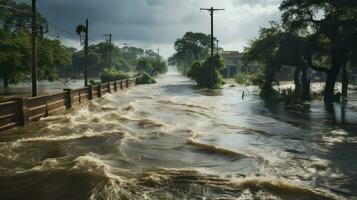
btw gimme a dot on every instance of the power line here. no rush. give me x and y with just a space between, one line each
15 9
212 10
62 29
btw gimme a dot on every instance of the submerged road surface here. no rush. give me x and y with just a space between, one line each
171 141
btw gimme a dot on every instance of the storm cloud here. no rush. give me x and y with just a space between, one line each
158 23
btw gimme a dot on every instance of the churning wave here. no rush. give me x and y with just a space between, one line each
92 177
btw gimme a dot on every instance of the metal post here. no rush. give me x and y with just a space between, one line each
86 56
34 49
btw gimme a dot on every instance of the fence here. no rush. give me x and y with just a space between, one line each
21 111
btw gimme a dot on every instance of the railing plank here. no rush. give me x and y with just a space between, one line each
19 111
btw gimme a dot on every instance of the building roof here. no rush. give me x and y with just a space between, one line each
231 54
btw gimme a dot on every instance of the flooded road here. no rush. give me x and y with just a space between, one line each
171 141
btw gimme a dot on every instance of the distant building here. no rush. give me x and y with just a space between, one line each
233 64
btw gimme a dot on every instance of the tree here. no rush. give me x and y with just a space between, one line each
15 51
276 47
14 57
52 56
191 47
153 64
15 21
264 50
333 22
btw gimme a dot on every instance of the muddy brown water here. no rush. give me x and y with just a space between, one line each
172 141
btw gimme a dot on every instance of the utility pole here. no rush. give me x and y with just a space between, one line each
110 50
34 49
86 55
211 10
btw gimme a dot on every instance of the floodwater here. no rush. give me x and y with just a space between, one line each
172 141
44 87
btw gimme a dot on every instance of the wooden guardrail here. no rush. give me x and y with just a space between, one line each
21 111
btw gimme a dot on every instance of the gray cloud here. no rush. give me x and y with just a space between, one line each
152 23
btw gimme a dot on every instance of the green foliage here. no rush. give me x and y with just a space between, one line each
264 50
144 78
319 34
152 65
122 59
249 79
14 57
191 47
93 82
15 51
109 75
16 21
207 74
333 24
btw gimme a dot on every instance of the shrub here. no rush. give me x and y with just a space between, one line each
93 82
249 79
207 74
144 78
109 75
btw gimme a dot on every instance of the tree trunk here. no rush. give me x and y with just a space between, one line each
267 89
305 92
297 81
6 80
336 64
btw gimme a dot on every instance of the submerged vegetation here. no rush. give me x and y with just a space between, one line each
109 75
249 79
206 74
144 78
192 59
320 36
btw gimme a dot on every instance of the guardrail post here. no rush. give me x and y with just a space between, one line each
70 97
23 111
99 90
79 96
46 111
109 88
115 86
121 85
90 93
127 83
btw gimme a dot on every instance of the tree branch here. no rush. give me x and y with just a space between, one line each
317 68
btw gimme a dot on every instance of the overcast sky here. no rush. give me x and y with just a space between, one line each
158 23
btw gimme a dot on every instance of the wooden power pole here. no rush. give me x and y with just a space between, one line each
34 49
211 10
86 55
